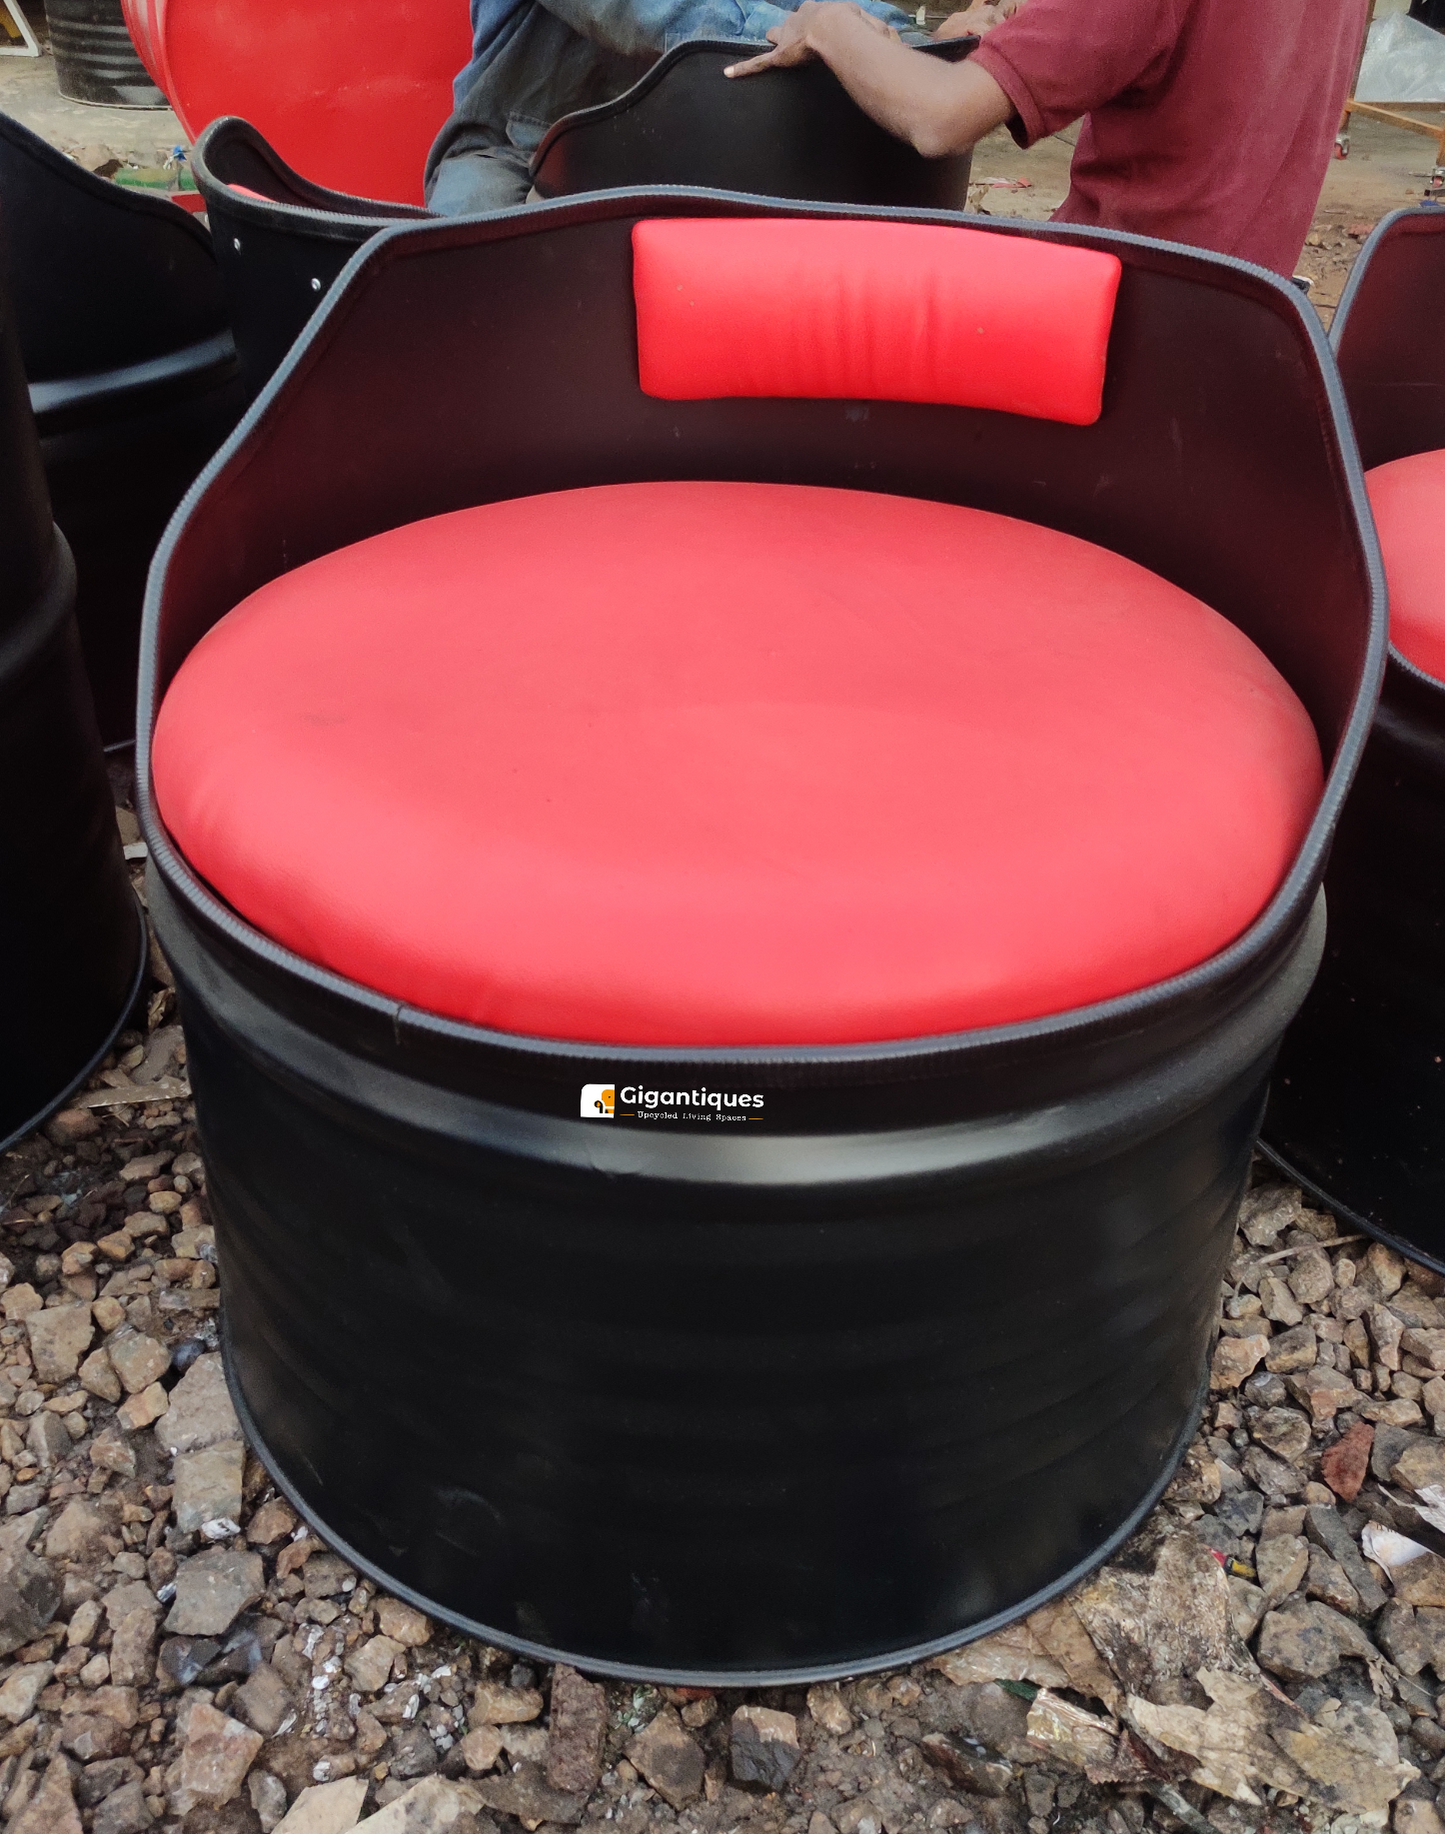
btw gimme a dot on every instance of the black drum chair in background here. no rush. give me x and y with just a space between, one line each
792 133
1357 1112
279 239
124 337
73 941
811 1288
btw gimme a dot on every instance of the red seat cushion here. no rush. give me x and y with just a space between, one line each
735 764
1408 498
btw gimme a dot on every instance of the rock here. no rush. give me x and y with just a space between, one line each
120 1704
495 1705
97 1781
79 1529
130 1596
182 1659
402 1623
369 1664
1291 1351
1397 1634
481 1748
1412 1816
669 1758
21 1689
200 1410
1012 1654
525 1795
1281 1563
1280 1305
137 1359
99 1378
1430 1629
29 1598
826 1709
70 1126
1273 1476
89 1736
1060 1631
47 1441
1420 1464
268 1798
412 1752
326 1808
1422 1582
217 1753
132 1663
578 1722
1234 1359
112 1451
272 1522
1282 1430
1345 1465
212 1590
125 1811
20 1301
1382 1271
1326 1580
763 1746
1428 1345
1312 1277
971 1770
327 1575
263 1701
59 1337
51 1810
1326 1530
1303 1641
144 1409
1247 1605
1324 1392
427 1807
208 1485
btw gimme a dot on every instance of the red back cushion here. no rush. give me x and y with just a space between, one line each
868 311
1408 499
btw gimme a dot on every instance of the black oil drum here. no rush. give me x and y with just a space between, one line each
95 60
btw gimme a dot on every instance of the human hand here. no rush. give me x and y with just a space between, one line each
982 16
793 38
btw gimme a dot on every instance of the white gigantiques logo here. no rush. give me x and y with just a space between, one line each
598 1101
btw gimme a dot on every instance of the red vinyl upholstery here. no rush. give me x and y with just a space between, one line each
735 764
1408 498
870 311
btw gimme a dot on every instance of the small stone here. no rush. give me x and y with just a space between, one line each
1324 1392
131 1595
1382 1271
369 1664
84 1622
29 1598
200 1409
1277 1480
578 1722
1397 1634
51 1810
1421 1464
764 1746
481 1748
1303 1641
47 1440
402 1623
208 1485
1311 1277
526 1795
137 1359
100 1780
89 1736
218 1752
268 1798
1235 1358
1426 1344
70 1126
1326 1530
495 1705
212 1590
1422 1582
95 1671
125 1811
1281 1430
971 1770
1292 1351
132 1662
826 1709
263 1701
413 1753
108 1313
427 1807
1412 1816
79 1529
98 1377
59 1337
1281 1563
669 1758
22 1688
182 1659
1345 1465
271 1522
1280 1305
1326 1580
1247 1605
20 1301
327 1808
120 1704
143 1409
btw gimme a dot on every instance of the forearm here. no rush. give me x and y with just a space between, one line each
939 107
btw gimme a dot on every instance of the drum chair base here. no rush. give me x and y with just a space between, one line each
824 1403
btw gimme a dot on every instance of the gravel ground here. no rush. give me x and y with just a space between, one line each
181 1653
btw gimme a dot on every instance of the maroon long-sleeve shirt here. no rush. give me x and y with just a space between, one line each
1208 121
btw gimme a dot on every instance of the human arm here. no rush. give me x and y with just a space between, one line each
939 107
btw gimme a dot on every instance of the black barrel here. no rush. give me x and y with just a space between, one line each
95 60
910 1355
71 940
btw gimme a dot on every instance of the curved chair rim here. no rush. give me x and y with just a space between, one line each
119 197
1427 685
316 201
1274 930
950 50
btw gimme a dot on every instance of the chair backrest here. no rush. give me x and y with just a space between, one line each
280 240
102 278
353 100
795 134
1387 337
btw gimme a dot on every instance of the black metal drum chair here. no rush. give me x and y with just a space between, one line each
132 372
1357 1113
73 941
280 240
794 133
693 755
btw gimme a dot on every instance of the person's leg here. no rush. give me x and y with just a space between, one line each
465 184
